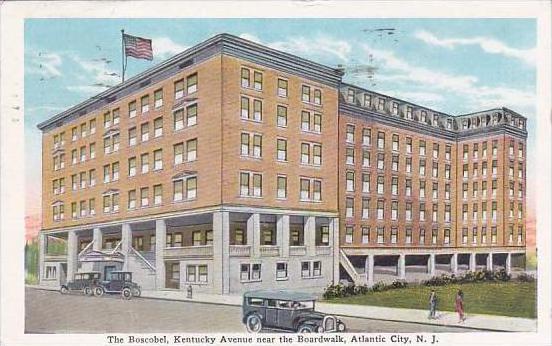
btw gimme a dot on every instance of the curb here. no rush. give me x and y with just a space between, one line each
340 315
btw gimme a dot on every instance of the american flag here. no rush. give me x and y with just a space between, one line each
138 47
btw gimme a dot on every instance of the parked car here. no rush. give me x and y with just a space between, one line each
85 282
119 282
285 310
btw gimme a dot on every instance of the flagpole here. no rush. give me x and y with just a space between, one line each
123 55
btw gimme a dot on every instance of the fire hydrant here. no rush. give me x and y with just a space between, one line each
189 292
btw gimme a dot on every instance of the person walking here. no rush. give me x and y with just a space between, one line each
432 304
460 306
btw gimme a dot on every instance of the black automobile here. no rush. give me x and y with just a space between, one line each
284 310
85 282
119 282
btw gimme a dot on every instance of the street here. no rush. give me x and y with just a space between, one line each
51 312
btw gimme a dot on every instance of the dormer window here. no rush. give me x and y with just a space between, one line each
449 124
367 100
395 109
350 95
408 112
423 116
381 104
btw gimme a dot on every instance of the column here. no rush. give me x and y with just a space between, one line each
334 243
431 264
490 261
310 235
401 267
254 234
97 238
42 243
72 261
282 234
221 252
369 270
508 265
472 262
126 242
454 263
160 245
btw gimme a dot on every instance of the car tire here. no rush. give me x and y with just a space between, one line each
126 293
341 327
254 323
305 328
63 290
136 292
99 291
88 291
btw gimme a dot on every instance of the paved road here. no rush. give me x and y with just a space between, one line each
51 312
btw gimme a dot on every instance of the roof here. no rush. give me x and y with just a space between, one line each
224 43
280 295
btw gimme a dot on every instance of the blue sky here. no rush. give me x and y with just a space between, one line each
452 65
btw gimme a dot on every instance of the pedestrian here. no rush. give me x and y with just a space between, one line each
460 306
432 304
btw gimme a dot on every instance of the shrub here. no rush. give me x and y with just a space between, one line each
399 284
379 287
524 277
502 275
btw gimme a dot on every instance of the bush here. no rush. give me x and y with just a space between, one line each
379 287
442 280
502 275
524 277
399 284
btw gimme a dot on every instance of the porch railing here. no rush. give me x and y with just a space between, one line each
190 251
323 250
270 250
85 249
139 255
297 250
240 250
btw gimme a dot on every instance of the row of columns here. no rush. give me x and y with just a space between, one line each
431 263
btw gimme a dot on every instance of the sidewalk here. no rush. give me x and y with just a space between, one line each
449 319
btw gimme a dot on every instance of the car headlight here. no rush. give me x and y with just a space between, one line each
320 329
340 326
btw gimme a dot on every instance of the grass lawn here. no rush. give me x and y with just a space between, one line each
517 299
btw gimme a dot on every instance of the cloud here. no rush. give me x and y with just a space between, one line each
315 47
164 47
44 64
487 44
477 96
250 37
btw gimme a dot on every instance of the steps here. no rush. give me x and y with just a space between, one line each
142 273
358 278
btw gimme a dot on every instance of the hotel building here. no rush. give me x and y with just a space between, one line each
219 168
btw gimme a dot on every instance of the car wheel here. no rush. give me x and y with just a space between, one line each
63 290
126 293
254 324
99 291
136 292
305 328
341 327
88 291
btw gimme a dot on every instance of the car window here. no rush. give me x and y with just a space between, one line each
255 301
284 304
272 303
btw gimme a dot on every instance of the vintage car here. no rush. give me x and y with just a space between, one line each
285 310
119 282
85 282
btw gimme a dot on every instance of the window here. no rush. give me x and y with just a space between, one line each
257 110
245 78
74 135
158 98
381 140
132 166
178 89
132 136
365 208
409 145
91 180
317 97
106 174
116 116
395 143
250 184
408 187
365 182
115 171
281 116
367 100
394 235
381 161
144 130
365 158
408 165
50 272
317 154
394 210
394 186
74 156
408 236
434 236
434 212
132 199
191 115
311 269
520 150
350 138
191 188
422 189
365 235
258 80
408 211
144 197
422 236
157 159
366 136
157 194
83 154
305 121
422 211
144 102
244 107
83 130
281 271
144 160
380 235
484 168
381 104
92 150
257 146
281 187
395 108
408 112
191 150
349 207
281 147
305 153
493 235
349 234
158 127
191 83
448 150
350 156
282 87
381 209
74 210
422 148
422 167
380 184
495 148
305 93
317 123
395 163
250 272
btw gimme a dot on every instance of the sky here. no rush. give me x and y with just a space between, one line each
455 66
